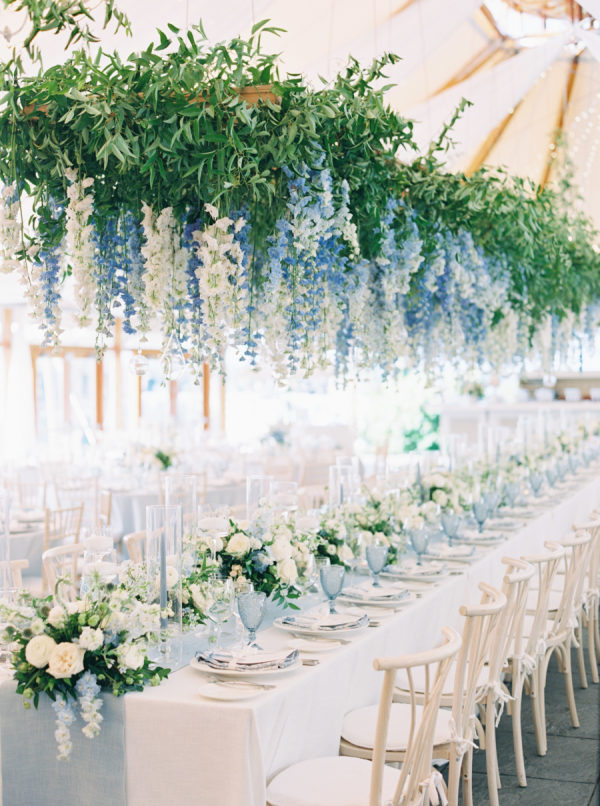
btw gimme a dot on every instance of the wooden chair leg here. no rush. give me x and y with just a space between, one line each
580 655
454 771
569 686
517 734
591 634
491 755
538 683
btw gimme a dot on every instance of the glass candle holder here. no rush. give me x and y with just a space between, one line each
163 564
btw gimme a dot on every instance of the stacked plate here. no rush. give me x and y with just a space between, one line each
381 596
409 570
442 551
258 662
315 623
475 538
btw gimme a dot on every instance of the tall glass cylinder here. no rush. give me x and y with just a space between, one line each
342 485
163 562
180 490
257 493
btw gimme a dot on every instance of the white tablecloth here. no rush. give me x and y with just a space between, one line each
185 750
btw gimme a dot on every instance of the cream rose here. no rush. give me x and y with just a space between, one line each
345 553
91 639
200 600
238 545
39 650
131 656
287 571
172 576
281 549
440 498
57 616
66 660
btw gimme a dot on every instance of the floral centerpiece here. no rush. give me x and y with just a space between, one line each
72 651
444 490
266 552
376 520
332 537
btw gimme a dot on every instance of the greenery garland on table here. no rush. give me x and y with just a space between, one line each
196 185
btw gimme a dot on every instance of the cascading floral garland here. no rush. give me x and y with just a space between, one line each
321 251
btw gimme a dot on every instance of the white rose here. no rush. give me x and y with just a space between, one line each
37 626
199 598
381 538
238 545
91 639
255 543
416 522
342 533
131 656
429 510
57 616
287 571
284 533
345 553
172 576
440 498
307 523
66 660
366 538
39 649
75 607
281 549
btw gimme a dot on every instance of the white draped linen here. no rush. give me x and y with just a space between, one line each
183 749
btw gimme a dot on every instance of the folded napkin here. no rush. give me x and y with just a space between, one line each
260 660
474 536
368 592
427 569
443 550
329 622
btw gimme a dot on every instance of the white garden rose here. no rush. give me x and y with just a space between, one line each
429 510
66 660
199 598
238 544
75 607
91 639
131 656
281 549
287 571
39 649
57 616
172 576
440 498
255 543
345 553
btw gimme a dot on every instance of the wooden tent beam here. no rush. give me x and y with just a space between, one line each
490 141
473 66
560 123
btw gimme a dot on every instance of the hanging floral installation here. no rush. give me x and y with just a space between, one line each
194 189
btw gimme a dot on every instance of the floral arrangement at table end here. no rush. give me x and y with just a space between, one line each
72 651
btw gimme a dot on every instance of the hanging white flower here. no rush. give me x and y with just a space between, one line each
79 242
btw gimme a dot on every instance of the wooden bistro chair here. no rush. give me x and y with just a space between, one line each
454 727
61 526
16 568
63 562
591 599
342 780
135 543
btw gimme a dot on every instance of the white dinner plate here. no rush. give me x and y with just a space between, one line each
376 601
228 692
305 629
448 553
200 666
430 572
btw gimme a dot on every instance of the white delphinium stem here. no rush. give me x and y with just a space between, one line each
10 228
89 704
64 719
79 241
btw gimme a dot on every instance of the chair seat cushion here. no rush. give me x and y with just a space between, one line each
359 726
329 781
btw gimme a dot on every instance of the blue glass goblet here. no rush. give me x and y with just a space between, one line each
251 607
332 582
535 482
419 540
450 524
376 560
480 512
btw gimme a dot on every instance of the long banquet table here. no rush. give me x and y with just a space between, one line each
183 749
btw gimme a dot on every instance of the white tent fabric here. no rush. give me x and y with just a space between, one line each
493 94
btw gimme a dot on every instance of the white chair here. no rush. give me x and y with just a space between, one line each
104 508
16 568
492 697
76 491
60 526
591 597
347 781
135 543
62 564
455 728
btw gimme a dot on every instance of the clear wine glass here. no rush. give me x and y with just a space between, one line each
251 607
480 512
419 540
332 582
222 598
376 560
450 524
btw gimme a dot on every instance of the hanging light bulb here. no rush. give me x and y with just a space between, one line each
138 364
172 360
